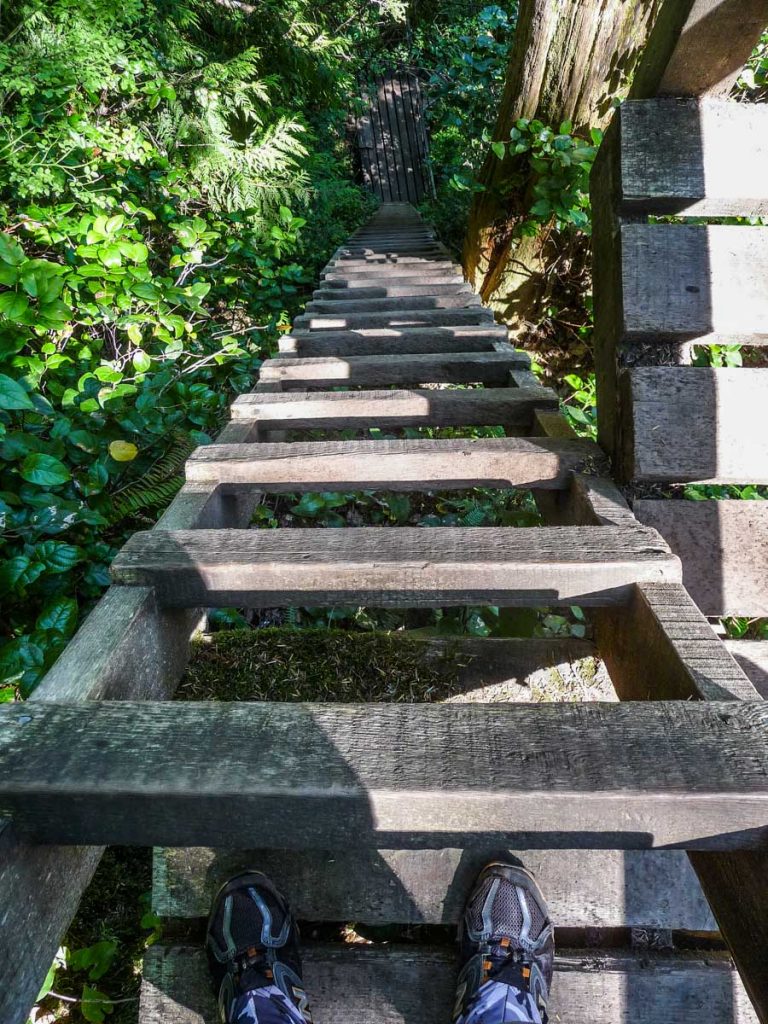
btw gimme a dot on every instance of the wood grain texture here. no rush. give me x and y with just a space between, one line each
491 368
408 567
614 776
340 307
426 340
403 317
678 283
696 424
723 546
399 465
409 984
664 628
440 284
413 408
584 888
699 47
697 158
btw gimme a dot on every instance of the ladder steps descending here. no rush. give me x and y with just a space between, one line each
617 888
394 465
617 776
407 567
350 304
417 407
457 368
393 342
404 317
406 984
367 291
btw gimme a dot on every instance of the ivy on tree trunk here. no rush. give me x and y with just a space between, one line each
569 61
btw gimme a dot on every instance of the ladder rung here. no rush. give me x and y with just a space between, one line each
369 984
344 305
415 407
392 289
407 567
394 341
400 318
373 371
635 775
393 465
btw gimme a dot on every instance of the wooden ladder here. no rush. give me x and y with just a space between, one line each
383 813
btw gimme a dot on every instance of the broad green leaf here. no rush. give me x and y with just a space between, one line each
13 395
141 361
60 616
44 470
58 557
499 148
13 305
95 1005
10 250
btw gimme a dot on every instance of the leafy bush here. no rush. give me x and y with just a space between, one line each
149 253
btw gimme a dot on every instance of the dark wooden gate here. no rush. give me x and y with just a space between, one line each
392 139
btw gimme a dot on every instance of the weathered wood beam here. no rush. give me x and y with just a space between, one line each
489 368
417 407
685 424
699 47
370 984
408 567
399 464
584 888
402 317
391 343
618 776
723 547
697 158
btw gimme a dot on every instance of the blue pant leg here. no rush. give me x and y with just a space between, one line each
268 1005
497 1003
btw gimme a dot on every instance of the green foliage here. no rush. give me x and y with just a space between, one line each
580 406
558 163
752 84
160 165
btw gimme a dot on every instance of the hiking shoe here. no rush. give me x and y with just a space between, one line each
253 942
506 935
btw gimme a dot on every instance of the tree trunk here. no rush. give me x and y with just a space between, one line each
570 58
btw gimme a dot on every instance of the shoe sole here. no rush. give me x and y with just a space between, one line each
255 878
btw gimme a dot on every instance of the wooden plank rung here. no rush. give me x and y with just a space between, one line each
408 567
393 465
429 407
593 776
457 368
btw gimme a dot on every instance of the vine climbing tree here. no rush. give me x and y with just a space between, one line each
568 63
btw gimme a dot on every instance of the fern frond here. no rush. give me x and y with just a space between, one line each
158 485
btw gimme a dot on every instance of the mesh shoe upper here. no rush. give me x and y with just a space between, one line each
506 936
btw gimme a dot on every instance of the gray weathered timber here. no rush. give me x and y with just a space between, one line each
700 158
696 424
735 885
426 340
678 283
752 656
390 984
346 289
385 984
663 628
413 408
408 567
403 317
584 888
699 47
723 547
342 306
614 776
400 465
344 275
490 368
